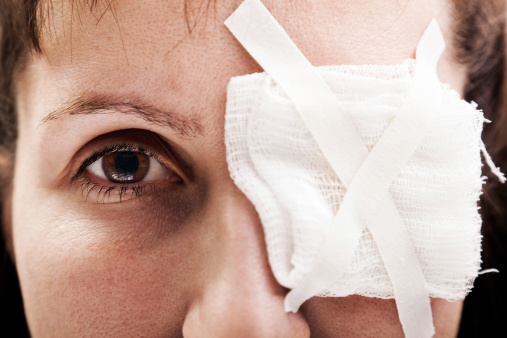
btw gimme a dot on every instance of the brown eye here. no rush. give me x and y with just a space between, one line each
126 166
130 166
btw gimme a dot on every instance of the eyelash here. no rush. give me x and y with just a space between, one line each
87 185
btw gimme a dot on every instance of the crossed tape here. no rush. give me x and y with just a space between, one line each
367 176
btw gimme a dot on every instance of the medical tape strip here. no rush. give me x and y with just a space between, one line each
251 24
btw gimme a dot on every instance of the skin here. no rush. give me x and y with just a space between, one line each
185 259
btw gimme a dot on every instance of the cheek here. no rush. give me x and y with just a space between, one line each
353 316
79 283
446 316
373 317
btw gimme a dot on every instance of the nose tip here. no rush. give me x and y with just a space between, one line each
240 296
227 312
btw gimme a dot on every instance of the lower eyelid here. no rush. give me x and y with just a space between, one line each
93 191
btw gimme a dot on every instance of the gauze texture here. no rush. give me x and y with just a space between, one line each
275 161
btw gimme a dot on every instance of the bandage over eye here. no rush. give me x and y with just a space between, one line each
366 178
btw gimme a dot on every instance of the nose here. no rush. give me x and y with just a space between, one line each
240 296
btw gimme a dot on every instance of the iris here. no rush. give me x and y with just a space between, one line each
126 166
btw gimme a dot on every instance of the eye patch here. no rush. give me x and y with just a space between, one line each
366 178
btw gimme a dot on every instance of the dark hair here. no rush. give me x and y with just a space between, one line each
480 39
480 45
14 44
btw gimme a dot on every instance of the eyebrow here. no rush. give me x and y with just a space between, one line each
186 127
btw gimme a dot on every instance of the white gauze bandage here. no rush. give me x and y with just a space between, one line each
366 178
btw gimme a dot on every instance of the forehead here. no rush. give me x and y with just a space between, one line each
180 55
161 31
143 48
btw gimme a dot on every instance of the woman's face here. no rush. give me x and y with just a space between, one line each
182 250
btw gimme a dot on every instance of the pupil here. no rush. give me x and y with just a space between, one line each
126 163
